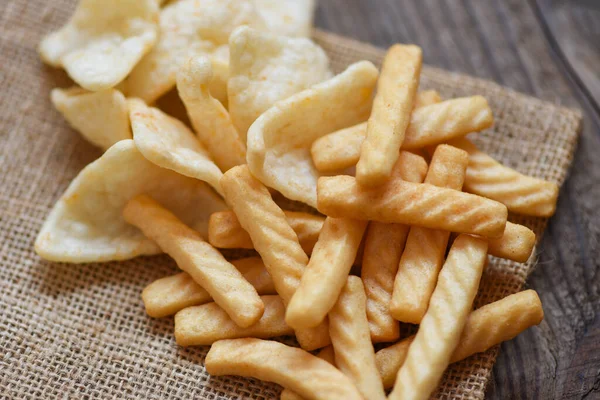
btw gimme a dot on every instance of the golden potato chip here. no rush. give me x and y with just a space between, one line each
287 17
103 41
280 139
86 224
168 143
266 68
187 27
101 117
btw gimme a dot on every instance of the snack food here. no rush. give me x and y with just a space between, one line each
203 262
292 368
438 335
327 354
516 243
287 17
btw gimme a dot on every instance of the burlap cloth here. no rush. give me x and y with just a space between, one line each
80 331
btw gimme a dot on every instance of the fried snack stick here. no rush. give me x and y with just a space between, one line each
209 118
522 194
274 239
411 204
486 327
427 98
351 340
203 262
516 243
425 248
225 231
203 325
326 353
390 115
290 367
168 295
440 330
384 244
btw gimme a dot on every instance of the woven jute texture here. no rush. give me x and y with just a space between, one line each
80 331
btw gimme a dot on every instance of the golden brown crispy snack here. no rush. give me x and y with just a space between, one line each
203 262
439 333
412 204
290 367
384 244
425 248
274 239
516 243
426 98
522 194
205 324
325 274
390 116
327 354
168 295
486 327
350 337
225 231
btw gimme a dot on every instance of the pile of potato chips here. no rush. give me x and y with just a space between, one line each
402 194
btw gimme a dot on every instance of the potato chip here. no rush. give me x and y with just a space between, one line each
86 224
101 117
188 27
280 139
102 41
266 68
168 143
287 17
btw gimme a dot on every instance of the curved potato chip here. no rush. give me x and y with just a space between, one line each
168 143
102 117
279 141
187 27
287 17
266 68
103 41
86 224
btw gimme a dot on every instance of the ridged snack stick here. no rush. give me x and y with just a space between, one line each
516 243
326 353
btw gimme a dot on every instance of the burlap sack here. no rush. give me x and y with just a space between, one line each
80 331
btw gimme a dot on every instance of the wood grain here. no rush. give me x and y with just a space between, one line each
528 46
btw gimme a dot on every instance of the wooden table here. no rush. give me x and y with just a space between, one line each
549 49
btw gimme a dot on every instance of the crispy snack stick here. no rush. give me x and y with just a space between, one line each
225 231
203 262
427 98
290 367
203 325
384 244
326 353
522 194
349 331
425 248
486 327
412 204
439 333
323 279
274 239
516 243
390 115
168 295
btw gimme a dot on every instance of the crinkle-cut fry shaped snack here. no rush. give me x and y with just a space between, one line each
103 41
273 239
226 232
290 367
384 244
101 117
205 324
210 119
288 17
266 68
486 327
351 340
327 354
410 203
516 243
425 248
390 116
193 255
323 279
522 194
427 98
168 143
279 140
166 296
440 330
